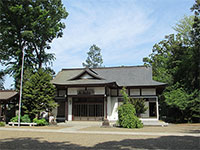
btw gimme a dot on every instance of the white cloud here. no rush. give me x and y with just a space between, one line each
114 29
125 30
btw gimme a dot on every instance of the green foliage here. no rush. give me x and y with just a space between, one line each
139 105
2 124
30 25
94 58
38 94
127 118
126 98
126 113
184 26
26 119
175 61
14 119
40 122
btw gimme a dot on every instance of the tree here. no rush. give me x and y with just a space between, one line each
196 49
29 25
175 61
139 105
94 58
184 27
38 94
126 113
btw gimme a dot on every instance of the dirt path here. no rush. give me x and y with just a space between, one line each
58 140
37 140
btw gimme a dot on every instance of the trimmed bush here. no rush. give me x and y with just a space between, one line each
14 119
2 124
126 113
127 117
40 122
26 119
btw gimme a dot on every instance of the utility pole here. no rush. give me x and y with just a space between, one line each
21 83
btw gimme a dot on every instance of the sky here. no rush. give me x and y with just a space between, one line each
125 30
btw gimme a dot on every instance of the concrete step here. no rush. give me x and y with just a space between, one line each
154 123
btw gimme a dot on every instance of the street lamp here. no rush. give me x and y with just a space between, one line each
21 83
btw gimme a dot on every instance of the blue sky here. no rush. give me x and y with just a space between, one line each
125 30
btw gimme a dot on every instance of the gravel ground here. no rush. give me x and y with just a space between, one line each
42 140
172 128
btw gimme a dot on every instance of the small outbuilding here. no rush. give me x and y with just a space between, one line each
8 101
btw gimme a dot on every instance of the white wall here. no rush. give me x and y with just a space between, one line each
112 108
69 109
149 91
134 91
109 107
73 91
97 90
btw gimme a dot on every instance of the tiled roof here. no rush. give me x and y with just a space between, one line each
123 76
7 94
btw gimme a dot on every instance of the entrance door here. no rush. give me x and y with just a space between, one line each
88 109
152 109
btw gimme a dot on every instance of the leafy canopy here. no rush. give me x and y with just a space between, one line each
175 61
29 25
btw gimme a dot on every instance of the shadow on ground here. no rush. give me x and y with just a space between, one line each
164 142
194 131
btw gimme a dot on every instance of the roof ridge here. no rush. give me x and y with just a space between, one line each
8 91
105 67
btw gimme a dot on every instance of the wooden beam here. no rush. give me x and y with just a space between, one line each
5 111
106 107
0 111
66 110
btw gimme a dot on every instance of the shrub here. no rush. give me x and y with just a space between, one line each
126 113
14 119
40 122
25 118
139 105
127 117
2 124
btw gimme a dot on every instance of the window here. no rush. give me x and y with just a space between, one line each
113 92
61 93
134 92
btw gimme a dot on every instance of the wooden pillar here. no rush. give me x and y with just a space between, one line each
0 111
157 108
5 111
66 110
106 111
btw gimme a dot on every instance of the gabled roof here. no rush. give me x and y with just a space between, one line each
122 76
7 95
89 72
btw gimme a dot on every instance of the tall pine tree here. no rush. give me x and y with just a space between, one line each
94 58
38 94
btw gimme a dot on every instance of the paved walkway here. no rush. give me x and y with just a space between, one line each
75 131
77 125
